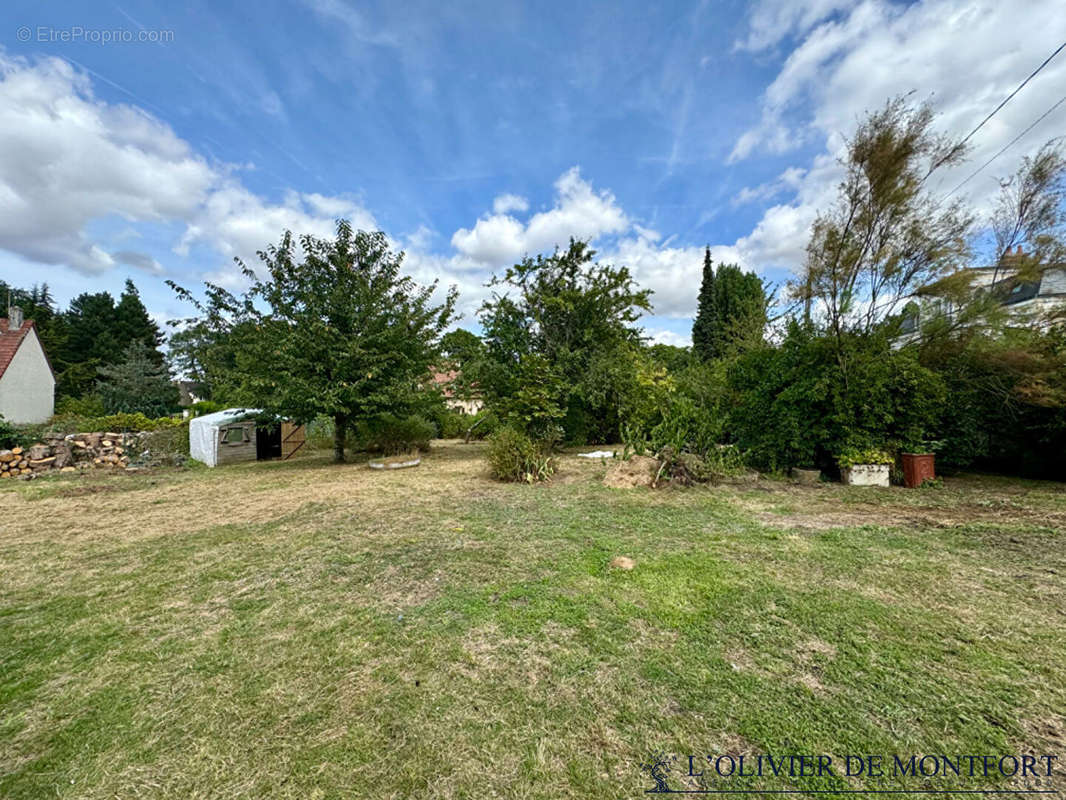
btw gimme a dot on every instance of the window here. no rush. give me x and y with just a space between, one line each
236 435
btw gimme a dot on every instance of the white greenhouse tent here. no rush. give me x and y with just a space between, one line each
224 437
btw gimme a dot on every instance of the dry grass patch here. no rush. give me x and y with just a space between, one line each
307 630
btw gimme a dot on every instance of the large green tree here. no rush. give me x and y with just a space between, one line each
557 317
332 328
91 343
133 324
732 311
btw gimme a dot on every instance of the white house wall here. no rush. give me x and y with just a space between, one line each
27 387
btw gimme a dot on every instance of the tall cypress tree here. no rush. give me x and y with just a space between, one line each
706 314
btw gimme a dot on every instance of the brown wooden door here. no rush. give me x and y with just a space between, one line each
293 437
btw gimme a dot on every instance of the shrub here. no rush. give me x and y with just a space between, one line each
87 407
10 436
481 426
391 435
452 424
812 398
513 456
133 422
168 444
869 455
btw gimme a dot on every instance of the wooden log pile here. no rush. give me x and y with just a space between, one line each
77 451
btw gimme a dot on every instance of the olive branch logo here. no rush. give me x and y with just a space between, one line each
657 770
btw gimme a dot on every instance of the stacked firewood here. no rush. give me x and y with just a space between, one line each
77 451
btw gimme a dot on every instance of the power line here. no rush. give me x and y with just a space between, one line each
995 110
1007 146
1009 96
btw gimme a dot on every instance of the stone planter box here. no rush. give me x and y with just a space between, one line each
866 475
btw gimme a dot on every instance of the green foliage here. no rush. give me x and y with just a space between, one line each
134 422
703 333
533 406
731 316
451 424
86 407
93 332
391 435
802 403
670 357
319 433
481 425
203 407
332 328
547 343
888 234
10 436
851 456
138 384
461 347
168 444
126 423
1007 393
514 456
682 411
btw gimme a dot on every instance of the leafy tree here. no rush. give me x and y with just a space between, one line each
887 235
197 351
741 301
703 328
132 323
138 384
462 347
1031 214
333 328
671 357
732 311
91 342
568 311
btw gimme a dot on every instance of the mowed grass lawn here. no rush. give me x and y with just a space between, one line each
305 630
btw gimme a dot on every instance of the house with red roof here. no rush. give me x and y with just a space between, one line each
27 383
465 402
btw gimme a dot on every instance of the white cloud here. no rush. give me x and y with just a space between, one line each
661 336
773 20
579 212
68 159
963 56
788 180
509 202
237 223
673 273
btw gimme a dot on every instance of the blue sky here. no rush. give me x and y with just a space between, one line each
472 132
